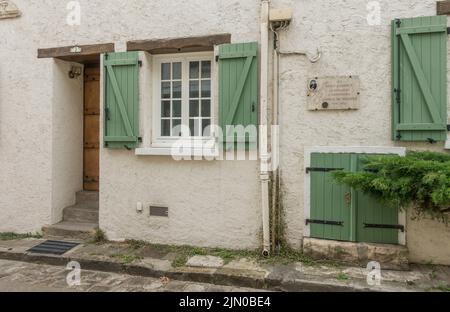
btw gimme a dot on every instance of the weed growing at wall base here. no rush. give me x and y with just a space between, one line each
12 236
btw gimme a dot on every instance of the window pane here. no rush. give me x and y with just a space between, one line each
165 90
206 88
206 108
176 73
193 89
206 69
194 70
176 127
165 109
176 90
205 124
193 108
176 108
165 127
165 71
194 127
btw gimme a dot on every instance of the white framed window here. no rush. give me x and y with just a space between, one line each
183 98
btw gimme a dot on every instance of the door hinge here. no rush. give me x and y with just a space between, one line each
397 95
324 222
310 169
385 226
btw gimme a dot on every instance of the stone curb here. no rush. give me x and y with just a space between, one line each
211 276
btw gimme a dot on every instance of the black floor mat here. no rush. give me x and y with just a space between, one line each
53 247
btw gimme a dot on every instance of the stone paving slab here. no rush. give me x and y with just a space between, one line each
29 277
242 272
205 262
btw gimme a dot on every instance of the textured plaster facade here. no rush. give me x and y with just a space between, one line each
210 203
349 47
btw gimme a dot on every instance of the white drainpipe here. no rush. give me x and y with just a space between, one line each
263 139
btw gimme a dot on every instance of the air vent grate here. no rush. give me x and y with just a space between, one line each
53 247
159 211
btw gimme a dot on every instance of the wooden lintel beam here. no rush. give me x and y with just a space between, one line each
176 45
76 51
443 7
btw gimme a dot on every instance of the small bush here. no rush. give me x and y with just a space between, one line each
99 237
420 180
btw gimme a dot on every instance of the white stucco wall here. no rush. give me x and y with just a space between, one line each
25 128
67 132
210 203
349 47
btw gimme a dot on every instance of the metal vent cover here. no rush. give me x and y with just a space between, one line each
159 211
53 247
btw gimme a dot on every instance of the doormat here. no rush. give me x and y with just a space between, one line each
53 247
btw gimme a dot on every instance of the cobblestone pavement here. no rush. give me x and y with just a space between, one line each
28 277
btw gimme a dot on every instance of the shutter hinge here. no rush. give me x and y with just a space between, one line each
385 226
397 97
398 22
140 139
217 57
140 63
431 141
448 30
310 169
324 222
448 127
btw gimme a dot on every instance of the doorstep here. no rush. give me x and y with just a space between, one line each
390 257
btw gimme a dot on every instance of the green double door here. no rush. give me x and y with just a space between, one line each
338 212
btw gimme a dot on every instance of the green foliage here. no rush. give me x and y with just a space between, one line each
99 237
420 180
126 258
341 276
12 236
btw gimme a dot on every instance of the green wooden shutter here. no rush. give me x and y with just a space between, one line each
372 215
330 200
238 86
419 77
121 100
362 216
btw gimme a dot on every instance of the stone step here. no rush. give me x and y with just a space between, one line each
68 229
87 196
81 213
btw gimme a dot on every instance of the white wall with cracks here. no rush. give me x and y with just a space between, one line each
210 203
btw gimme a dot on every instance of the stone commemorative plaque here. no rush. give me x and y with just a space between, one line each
333 93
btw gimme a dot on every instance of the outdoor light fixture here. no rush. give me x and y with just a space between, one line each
74 72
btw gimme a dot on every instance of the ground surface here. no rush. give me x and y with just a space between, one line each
199 268
28 277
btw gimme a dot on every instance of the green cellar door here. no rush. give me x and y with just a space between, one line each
341 213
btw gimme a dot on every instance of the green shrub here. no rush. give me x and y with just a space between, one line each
420 180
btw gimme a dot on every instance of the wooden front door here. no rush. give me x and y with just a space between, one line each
91 128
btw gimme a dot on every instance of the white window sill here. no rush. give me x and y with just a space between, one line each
168 151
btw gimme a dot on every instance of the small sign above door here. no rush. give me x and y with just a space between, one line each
333 93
